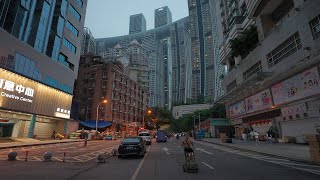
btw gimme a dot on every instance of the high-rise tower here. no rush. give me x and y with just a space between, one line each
137 23
162 16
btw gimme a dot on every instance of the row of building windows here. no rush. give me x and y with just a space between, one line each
28 68
80 2
69 45
72 28
74 12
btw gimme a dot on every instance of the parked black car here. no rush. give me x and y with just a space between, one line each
132 146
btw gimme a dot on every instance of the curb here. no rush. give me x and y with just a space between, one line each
26 145
263 153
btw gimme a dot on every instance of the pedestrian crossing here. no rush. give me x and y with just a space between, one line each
85 157
315 169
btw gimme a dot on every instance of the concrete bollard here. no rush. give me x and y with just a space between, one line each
47 156
101 158
114 152
12 156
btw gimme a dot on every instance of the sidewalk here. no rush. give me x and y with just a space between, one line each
289 151
23 142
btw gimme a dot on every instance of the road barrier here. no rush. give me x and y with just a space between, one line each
12 156
101 158
47 156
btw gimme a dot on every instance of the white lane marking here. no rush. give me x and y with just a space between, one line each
199 149
167 153
208 165
140 165
266 159
165 149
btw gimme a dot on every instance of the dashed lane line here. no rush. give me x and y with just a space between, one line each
208 165
140 165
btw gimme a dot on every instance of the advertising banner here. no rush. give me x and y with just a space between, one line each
237 109
294 112
25 95
259 101
300 86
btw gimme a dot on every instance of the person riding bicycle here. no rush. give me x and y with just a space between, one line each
187 144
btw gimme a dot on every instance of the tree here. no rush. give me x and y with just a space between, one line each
186 122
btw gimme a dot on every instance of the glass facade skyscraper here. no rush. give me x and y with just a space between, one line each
137 23
162 16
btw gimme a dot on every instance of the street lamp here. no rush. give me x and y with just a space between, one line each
102 102
143 125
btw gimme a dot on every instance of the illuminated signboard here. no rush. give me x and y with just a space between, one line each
21 94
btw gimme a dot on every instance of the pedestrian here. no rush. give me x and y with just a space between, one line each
244 136
53 136
256 136
85 139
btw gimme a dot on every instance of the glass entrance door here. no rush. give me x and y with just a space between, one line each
6 129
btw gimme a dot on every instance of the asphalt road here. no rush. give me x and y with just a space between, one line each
69 152
164 162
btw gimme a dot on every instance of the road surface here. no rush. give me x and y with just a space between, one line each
162 162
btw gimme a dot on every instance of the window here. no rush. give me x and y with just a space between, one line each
231 86
80 3
252 70
27 67
51 82
74 12
66 88
69 45
63 9
315 27
72 29
44 19
56 48
60 26
63 59
288 47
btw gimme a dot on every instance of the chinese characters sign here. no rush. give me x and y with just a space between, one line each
259 101
9 87
21 94
294 112
300 86
237 109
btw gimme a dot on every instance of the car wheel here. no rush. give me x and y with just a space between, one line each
120 156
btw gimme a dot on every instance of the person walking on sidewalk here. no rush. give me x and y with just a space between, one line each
256 136
85 139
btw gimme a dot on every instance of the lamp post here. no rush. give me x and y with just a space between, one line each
143 124
104 102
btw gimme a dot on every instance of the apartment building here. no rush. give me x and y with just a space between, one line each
276 83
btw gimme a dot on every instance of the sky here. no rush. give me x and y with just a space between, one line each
109 18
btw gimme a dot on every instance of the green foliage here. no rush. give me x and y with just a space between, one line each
158 117
186 122
243 44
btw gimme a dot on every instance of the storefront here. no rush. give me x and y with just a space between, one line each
31 109
214 126
292 106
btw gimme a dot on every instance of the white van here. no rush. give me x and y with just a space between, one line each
145 136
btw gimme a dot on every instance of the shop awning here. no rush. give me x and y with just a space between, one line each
92 124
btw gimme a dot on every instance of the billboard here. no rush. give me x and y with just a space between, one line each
237 109
21 94
259 101
295 112
300 86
